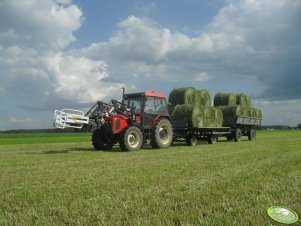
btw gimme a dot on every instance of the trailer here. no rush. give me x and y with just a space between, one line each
232 129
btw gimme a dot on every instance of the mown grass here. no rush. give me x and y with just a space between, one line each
228 183
36 138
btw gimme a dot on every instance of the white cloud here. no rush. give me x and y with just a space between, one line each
45 25
33 36
79 79
254 40
258 41
280 112
201 77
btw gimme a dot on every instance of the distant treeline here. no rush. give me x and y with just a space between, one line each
278 127
70 130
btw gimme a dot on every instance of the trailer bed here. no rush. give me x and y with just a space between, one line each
232 129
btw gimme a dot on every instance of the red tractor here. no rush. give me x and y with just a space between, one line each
138 118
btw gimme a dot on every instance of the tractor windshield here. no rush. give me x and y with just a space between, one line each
155 105
134 103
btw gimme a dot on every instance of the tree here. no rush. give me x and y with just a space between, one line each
299 126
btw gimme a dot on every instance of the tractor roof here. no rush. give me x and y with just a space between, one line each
146 93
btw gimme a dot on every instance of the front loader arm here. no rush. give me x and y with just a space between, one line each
70 118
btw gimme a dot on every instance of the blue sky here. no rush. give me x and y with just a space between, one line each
70 53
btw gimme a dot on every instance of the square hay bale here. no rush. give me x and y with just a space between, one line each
224 99
186 95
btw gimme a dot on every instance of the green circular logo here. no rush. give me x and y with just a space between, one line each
282 215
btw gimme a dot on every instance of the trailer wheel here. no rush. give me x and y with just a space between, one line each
252 134
100 142
131 139
191 140
162 134
212 139
237 135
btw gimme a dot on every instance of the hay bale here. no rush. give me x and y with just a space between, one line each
199 116
186 95
170 108
203 98
240 110
243 99
231 111
224 99
230 114
257 113
218 117
183 111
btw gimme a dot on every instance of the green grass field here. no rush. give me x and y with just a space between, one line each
58 179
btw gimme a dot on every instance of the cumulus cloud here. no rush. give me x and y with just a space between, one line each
45 25
254 40
33 36
268 45
79 79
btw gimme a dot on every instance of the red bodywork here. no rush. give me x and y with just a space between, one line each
154 94
118 122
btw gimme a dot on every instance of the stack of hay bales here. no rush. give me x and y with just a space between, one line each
233 105
195 106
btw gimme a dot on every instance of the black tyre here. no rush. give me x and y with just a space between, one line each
191 140
162 134
252 134
237 135
101 142
211 139
131 139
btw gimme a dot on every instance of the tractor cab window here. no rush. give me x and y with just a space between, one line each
155 105
134 103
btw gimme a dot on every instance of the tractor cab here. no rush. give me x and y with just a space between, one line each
148 105
147 102
140 117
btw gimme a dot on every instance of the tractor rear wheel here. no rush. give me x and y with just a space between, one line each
131 139
162 134
100 142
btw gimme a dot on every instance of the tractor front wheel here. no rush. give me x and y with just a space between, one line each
131 139
100 142
162 134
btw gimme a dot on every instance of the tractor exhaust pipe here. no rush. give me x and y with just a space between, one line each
123 92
